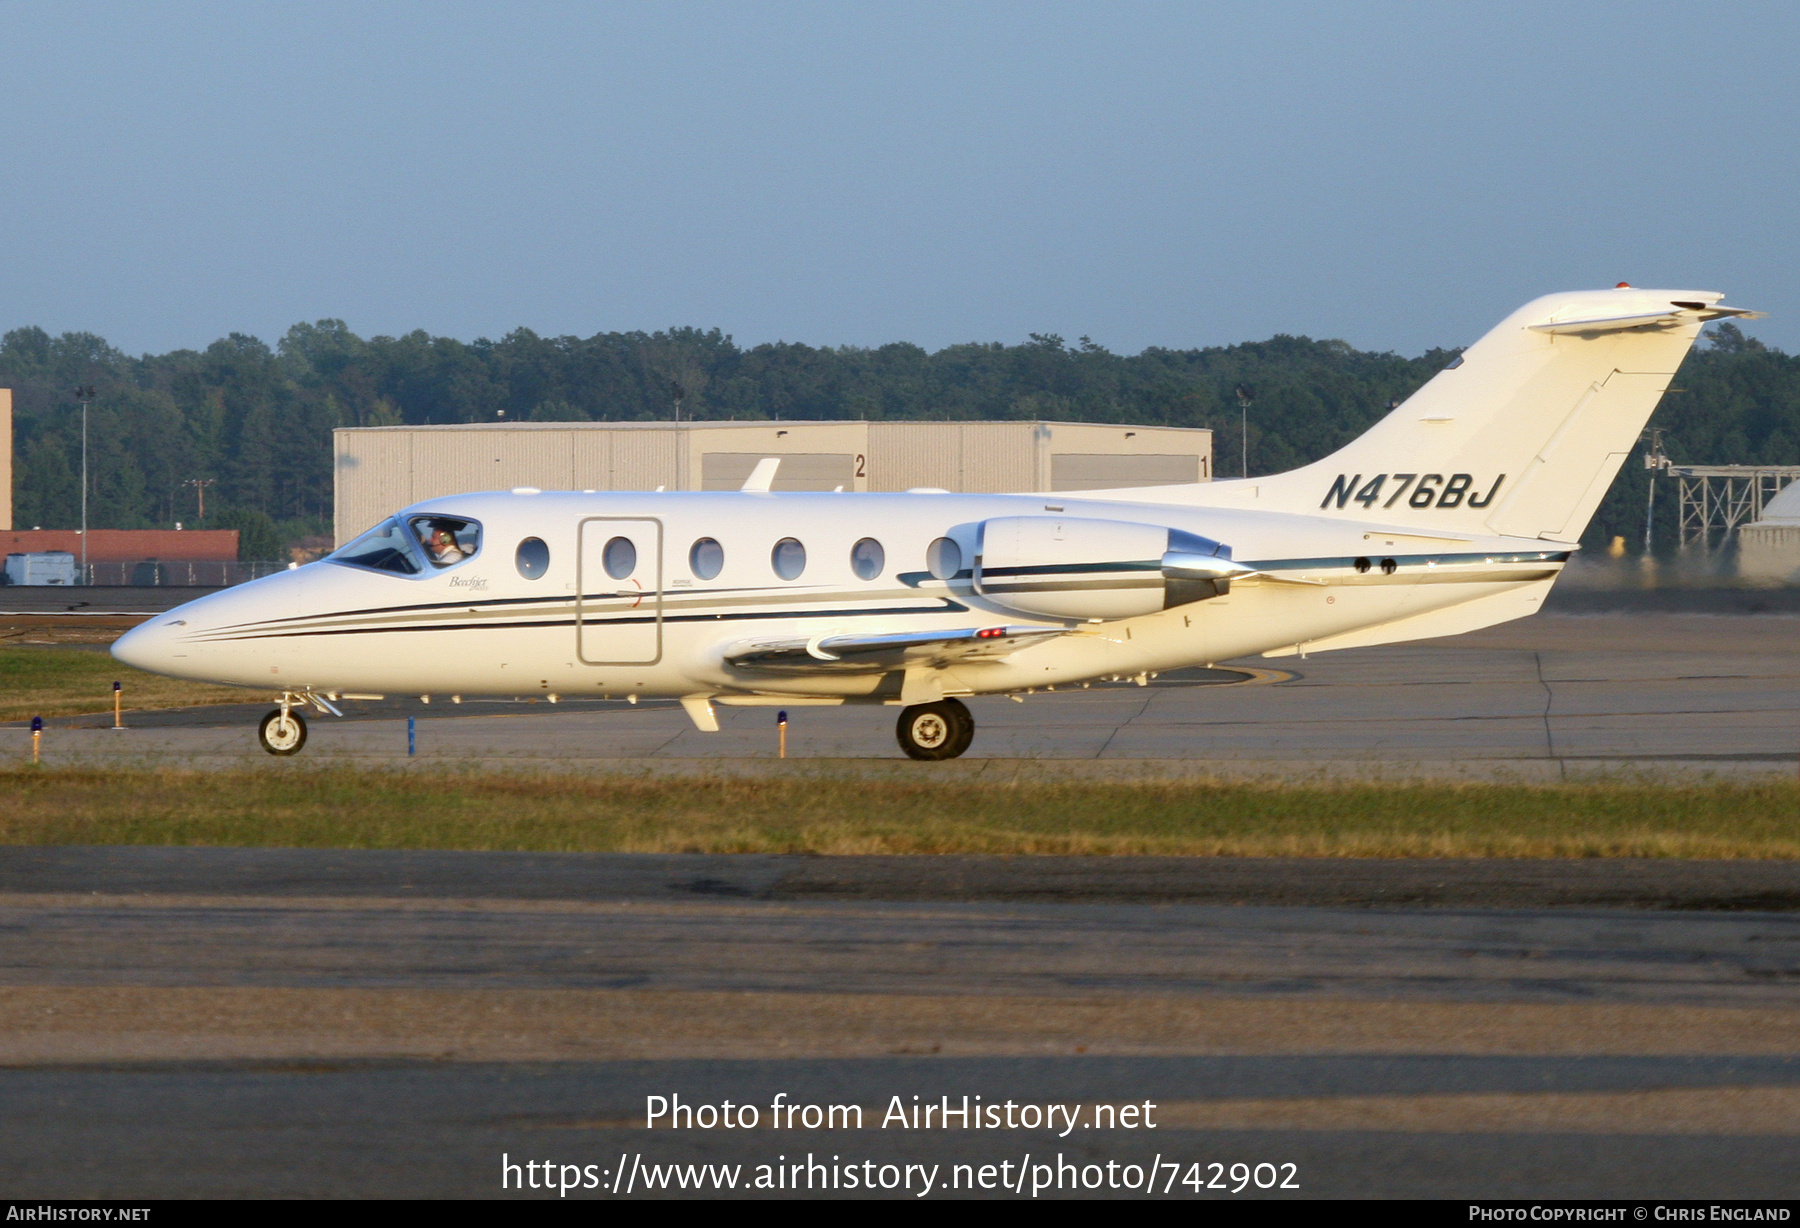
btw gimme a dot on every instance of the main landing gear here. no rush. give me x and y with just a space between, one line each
942 730
283 731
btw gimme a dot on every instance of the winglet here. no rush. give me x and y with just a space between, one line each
762 477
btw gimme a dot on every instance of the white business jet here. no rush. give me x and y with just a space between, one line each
1454 512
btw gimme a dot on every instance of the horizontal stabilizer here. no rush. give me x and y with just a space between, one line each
863 653
1610 324
1675 313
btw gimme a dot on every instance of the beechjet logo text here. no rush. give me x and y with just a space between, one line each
1427 490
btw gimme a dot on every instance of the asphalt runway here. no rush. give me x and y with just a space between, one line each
1543 698
287 1022
192 1022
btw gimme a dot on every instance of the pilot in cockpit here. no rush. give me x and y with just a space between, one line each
440 544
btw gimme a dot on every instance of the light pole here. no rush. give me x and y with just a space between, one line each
84 394
1244 396
200 485
1653 460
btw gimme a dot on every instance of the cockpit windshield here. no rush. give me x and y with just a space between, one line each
441 541
447 540
386 547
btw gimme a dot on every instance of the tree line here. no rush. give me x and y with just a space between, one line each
254 422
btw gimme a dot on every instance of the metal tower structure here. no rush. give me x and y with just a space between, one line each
1715 499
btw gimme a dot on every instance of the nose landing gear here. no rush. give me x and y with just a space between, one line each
283 731
942 730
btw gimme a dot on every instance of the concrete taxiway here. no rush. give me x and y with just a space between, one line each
234 1022
193 1022
1544 698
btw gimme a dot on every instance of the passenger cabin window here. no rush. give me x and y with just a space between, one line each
943 558
788 558
867 558
446 540
532 558
619 558
386 547
707 559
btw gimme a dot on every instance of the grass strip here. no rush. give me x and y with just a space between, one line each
70 682
375 808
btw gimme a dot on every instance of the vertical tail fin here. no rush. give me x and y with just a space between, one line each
1522 434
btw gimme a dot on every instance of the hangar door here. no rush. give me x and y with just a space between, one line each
1087 471
619 591
799 470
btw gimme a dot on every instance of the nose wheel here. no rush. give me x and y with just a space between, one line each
935 731
282 732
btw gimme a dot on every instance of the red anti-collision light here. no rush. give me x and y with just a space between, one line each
990 633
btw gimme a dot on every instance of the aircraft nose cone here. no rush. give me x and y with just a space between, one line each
146 646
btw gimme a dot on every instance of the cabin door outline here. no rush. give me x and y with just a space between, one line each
627 628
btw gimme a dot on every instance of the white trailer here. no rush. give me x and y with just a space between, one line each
45 567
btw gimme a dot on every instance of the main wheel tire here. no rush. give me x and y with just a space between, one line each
966 738
942 730
282 733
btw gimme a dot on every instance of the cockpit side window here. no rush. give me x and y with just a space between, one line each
446 541
386 547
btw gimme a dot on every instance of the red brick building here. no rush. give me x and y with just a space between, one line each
128 545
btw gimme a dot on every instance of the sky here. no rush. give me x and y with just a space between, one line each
1400 176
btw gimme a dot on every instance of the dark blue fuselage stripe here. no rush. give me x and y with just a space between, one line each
949 607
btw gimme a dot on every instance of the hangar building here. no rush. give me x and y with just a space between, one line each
380 469
1769 549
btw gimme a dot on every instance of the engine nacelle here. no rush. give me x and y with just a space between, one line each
1076 568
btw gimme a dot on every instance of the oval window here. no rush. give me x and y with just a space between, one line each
943 558
533 558
706 559
619 558
788 558
867 558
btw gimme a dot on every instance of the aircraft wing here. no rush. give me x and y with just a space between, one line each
870 652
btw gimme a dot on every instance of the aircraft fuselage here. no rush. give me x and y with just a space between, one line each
480 627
